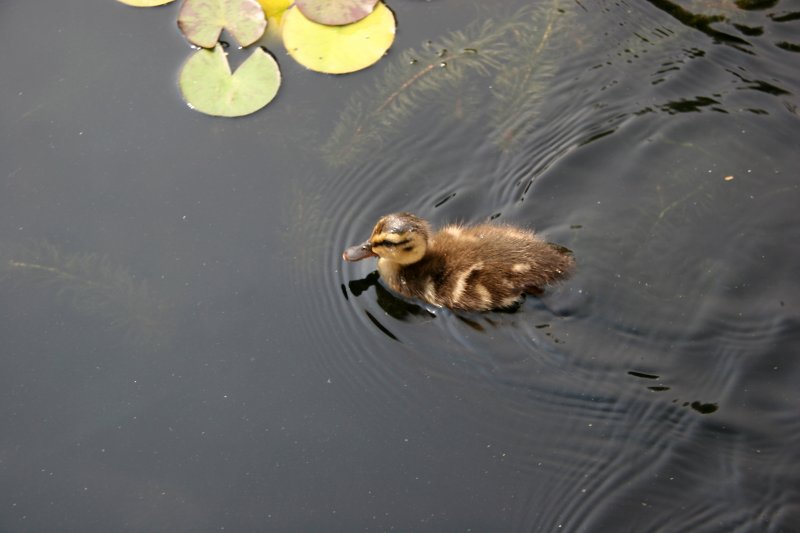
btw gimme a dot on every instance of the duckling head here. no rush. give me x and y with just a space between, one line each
400 238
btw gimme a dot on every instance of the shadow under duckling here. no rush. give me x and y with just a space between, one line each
470 268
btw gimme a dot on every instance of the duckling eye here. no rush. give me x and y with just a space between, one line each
390 244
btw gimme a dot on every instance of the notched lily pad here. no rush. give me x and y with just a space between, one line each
145 3
338 49
201 21
209 87
336 12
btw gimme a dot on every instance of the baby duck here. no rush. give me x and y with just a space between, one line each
472 268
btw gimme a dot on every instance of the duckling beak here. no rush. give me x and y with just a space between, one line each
358 252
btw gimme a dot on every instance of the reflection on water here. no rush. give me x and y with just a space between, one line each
654 390
392 304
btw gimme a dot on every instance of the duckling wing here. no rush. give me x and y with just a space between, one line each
487 267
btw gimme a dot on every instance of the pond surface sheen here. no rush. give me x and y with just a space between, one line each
183 349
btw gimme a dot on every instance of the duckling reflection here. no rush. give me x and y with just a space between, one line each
393 306
470 268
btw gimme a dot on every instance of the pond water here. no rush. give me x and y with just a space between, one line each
183 349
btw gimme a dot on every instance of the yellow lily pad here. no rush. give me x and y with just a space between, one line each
338 49
201 21
145 3
209 87
275 7
335 12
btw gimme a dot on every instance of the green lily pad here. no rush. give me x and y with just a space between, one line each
201 21
335 12
338 49
145 3
209 87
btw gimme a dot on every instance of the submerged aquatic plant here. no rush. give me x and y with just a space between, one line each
93 286
511 49
519 87
411 82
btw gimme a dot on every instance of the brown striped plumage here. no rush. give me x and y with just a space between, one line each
475 268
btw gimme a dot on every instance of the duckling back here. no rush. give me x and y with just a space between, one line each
480 268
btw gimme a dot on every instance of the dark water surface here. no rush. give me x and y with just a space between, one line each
182 348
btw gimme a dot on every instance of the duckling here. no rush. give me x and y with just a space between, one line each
471 268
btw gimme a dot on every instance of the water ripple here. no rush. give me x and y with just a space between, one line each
660 369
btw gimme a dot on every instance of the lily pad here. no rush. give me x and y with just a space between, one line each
338 49
336 12
145 3
209 87
274 10
201 21
275 7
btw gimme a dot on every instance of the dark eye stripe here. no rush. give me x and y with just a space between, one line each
390 244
